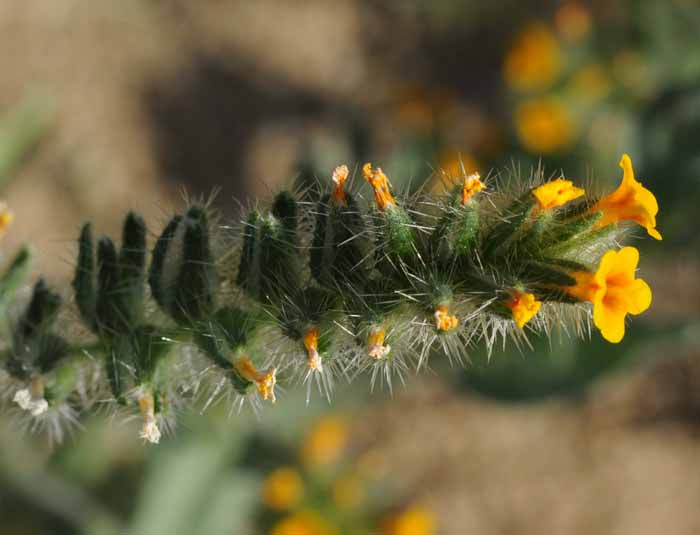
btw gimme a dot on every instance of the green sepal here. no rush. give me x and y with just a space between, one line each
34 347
248 276
552 294
109 314
40 313
466 229
197 280
533 272
304 308
504 233
14 276
338 247
84 278
567 231
280 262
398 238
161 285
132 265
230 329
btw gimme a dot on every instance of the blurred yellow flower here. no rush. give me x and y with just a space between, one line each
413 521
572 20
325 442
591 83
304 523
556 193
534 60
6 218
629 202
524 306
347 491
614 292
283 489
544 125
453 165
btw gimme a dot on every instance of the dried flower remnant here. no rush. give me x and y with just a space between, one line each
444 321
265 381
313 360
375 342
340 175
149 431
380 184
471 186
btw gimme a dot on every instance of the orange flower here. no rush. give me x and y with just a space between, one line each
283 489
544 125
340 175
573 20
524 306
614 292
412 521
629 202
443 320
304 523
380 184
6 218
556 193
264 380
534 61
325 442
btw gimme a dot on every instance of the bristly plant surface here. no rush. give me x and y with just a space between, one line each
316 291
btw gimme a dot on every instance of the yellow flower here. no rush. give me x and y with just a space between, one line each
443 320
524 306
614 292
534 61
6 218
325 442
572 20
556 193
629 202
283 489
304 523
380 184
264 380
340 175
412 521
544 125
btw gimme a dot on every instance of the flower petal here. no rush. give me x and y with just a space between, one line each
610 320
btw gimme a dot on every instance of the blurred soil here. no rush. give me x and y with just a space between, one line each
621 461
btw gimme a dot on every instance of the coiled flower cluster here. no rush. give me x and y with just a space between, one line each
317 290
